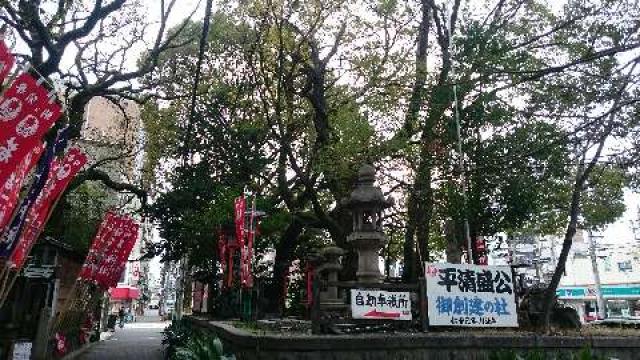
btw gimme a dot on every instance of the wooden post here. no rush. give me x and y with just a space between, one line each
315 307
422 297
10 280
4 279
516 289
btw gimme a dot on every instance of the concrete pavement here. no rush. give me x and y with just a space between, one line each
141 340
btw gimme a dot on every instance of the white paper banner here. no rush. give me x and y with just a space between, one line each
470 295
21 351
378 304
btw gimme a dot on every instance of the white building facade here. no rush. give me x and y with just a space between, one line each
618 267
617 261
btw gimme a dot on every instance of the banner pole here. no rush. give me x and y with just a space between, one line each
7 290
3 269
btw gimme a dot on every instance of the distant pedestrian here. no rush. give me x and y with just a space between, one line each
121 315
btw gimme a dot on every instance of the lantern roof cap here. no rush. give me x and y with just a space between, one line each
331 251
365 193
367 174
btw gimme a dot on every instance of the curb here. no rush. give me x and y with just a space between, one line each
74 354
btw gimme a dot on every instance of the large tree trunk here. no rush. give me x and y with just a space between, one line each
417 98
582 174
424 197
416 102
274 300
439 102
409 273
549 298
343 218
453 253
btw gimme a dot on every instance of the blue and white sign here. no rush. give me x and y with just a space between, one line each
470 295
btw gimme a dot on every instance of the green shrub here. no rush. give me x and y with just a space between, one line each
200 347
584 354
176 335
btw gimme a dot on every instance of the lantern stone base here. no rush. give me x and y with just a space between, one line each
368 244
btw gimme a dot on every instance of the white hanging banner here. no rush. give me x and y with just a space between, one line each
470 295
381 305
21 350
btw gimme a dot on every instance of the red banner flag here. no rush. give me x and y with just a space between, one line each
10 192
247 277
27 113
222 252
239 206
252 227
109 254
6 61
61 174
116 271
238 217
97 249
113 269
13 103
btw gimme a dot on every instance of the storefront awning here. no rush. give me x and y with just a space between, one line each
124 293
631 291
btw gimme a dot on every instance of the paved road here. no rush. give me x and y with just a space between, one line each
138 341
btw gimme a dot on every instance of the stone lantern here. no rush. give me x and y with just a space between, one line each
366 204
329 269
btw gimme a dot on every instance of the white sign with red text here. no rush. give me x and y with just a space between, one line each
380 305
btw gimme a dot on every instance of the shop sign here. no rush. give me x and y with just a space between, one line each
470 295
610 291
381 305
39 272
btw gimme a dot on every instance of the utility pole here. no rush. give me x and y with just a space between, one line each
596 276
554 259
461 169
180 284
164 274
463 180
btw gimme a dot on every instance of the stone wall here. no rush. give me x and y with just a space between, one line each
432 346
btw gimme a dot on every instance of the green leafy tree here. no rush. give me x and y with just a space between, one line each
79 214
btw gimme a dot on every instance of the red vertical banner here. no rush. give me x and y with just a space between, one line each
60 176
26 113
115 259
130 237
7 60
222 253
251 234
97 249
10 192
112 237
481 251
239 210
13 103
135 271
